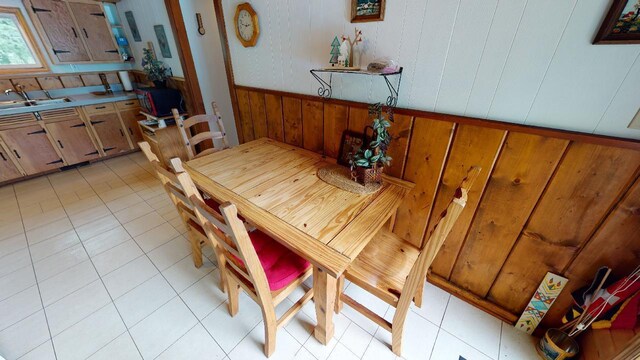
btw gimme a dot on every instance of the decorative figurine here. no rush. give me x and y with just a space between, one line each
345 53
335 51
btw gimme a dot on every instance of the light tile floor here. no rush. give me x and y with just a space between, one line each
94 264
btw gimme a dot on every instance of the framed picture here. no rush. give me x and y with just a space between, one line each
367 10
133 26
621 25
163 43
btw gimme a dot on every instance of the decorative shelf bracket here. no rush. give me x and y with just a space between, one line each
325 89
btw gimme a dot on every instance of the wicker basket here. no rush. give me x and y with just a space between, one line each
367 176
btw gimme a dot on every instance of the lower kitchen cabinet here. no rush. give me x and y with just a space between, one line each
130 119
110 133
8 169
32 149
72 138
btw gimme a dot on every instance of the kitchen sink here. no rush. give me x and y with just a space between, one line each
19 103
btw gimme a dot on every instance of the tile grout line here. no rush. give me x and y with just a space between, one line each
35 277
94 267
440 327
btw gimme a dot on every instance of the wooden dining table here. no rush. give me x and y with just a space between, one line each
275 186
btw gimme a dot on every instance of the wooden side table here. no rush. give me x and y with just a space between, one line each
165 142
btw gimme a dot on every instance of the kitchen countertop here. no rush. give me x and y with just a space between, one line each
76 101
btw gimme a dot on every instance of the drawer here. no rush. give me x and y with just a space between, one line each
128 104
99 108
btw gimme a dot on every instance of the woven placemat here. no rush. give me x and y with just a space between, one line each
340 176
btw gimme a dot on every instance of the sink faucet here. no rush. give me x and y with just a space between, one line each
105 83
23 94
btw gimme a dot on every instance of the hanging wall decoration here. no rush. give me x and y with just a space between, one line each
163 43
548 291
201 30
621 25
133 26
367 10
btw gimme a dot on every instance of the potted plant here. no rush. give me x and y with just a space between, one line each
156 70
368 163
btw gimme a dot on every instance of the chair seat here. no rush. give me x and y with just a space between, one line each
281 265
383 266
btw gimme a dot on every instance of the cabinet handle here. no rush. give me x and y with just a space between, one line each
129 103
100 107
17 155
59 161
108 149
43 131
60 143
85 33
92 153
75 34
130 131
96 122
3 158
121 132
79 125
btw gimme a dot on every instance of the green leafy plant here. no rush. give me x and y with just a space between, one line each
155 69
374 154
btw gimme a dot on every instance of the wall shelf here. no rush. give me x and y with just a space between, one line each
325 89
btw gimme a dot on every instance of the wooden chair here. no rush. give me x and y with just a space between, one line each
253 262
394 270
191 138
195 232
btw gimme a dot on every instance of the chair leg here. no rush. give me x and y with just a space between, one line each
234 294
340 289
221 266
196 250
270 333
396 340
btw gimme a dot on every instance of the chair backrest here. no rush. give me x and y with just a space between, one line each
437 237
192 138
229 232
172 187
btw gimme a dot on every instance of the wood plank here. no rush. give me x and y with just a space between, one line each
258 114
336 119
91 79
5 84
519 178
50 82
244 107
400 131
71 81
28 83
615 244
358 119
292 113
472 146
312 125
275 123
589 180
427 153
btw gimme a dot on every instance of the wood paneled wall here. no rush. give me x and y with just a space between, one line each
546 200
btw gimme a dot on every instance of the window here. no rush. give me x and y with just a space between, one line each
18 51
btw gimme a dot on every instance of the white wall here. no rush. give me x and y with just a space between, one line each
147 14
209 62
61 68
528 62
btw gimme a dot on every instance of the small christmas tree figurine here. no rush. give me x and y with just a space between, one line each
335 51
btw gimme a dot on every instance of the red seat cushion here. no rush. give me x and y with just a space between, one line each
216 206
280 264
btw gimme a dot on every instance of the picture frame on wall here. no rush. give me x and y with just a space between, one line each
133 26
621 25
163 43
367 10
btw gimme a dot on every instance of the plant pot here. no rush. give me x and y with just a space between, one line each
366 176
160 84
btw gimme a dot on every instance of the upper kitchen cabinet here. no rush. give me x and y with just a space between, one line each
96 31
74 31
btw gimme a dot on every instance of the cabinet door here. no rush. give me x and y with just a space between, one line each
32 149
60 30
96 31
8 170
73 140
130 119
110 133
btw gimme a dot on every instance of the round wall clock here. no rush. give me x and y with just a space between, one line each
246 23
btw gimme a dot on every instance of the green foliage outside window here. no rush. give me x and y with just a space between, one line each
14 50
